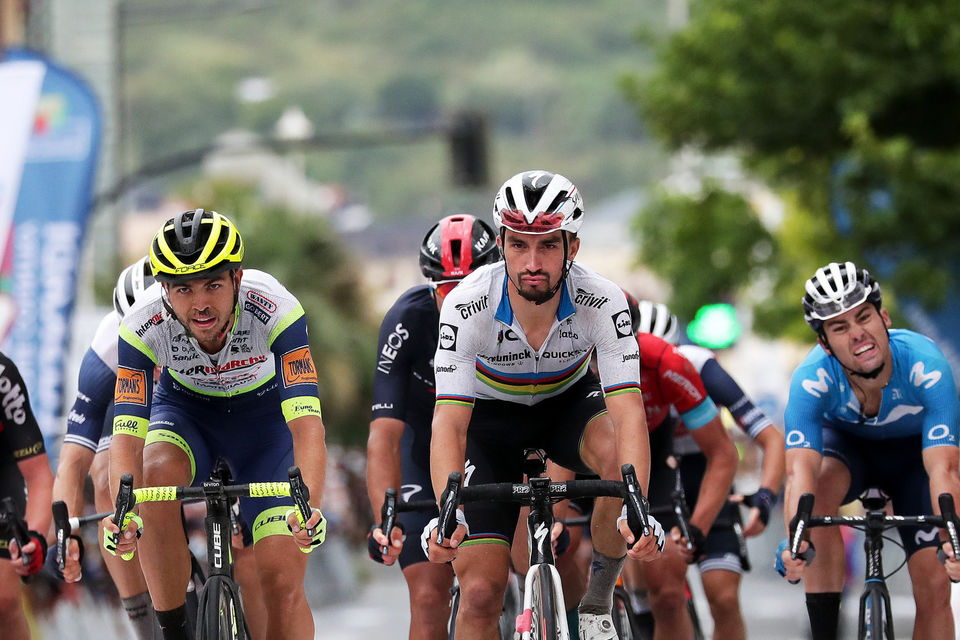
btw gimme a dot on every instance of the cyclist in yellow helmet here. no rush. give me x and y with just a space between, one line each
238 381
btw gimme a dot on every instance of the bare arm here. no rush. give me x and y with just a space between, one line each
310 453
39 480
448 445
721 454
383 459
75 461
633 441
942 464
803 469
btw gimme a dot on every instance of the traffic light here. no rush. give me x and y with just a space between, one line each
468 149
715 326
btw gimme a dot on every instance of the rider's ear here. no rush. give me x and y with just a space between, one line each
822 339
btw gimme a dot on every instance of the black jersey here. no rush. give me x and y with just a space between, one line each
20 436
403 384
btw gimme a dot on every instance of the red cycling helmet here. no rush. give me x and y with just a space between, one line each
455 246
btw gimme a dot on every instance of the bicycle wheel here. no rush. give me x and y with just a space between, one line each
876 622
622 614
454 607
544 624
221 611
695 619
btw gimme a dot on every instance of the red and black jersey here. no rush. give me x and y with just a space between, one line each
667 380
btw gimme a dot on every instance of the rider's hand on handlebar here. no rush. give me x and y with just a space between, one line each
789 568
377 540
695 549
950 563
646 547
446 550
73 564
35 550
301 531
123 545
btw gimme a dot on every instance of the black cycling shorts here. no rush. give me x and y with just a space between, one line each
500 431
895 466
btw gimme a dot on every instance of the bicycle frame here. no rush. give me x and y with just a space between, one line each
874 523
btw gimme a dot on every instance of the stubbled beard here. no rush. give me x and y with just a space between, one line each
873 373
536 296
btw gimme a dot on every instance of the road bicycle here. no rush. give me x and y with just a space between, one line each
875 617
543 614
220 608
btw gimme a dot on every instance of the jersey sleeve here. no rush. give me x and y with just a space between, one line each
392 374
940 402
134 389
806 405
455 361
299 392
725 391
618 353
96 384
683 388
20 432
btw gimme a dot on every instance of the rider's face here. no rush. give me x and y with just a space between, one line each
858 338
205 306
536 261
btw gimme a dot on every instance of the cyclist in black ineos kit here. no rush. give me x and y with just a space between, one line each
398 450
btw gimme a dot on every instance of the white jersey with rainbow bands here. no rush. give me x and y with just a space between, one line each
483 352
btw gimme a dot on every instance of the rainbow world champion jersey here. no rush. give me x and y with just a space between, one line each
268 338
920 398
483 353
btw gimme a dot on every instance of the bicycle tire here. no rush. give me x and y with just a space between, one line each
543 605
875 615
695 619
622 614
454 607
221 611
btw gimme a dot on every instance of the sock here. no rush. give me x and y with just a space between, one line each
823 610
604 572
139 610
173 623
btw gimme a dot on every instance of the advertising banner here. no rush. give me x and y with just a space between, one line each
41 254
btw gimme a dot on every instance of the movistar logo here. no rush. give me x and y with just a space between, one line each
818 386
920 378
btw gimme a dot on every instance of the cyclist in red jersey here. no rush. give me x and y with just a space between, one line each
669 381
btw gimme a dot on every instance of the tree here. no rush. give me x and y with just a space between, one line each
845 107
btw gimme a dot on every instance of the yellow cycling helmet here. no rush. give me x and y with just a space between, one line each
195 244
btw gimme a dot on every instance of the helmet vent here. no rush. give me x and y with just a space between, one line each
557 202
455 252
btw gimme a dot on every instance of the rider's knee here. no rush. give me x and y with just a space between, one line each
166 467
480 597
668 597
10 602
426 595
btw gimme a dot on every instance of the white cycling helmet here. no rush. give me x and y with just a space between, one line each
655 318
538 202
836 289
133 281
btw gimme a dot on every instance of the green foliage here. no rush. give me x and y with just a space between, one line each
308 259
707 245
847 108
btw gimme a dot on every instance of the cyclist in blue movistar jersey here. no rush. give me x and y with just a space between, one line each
398 449
512 372
724 560
870 406
238 382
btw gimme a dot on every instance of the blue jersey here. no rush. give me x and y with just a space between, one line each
919 399
90 421
403 383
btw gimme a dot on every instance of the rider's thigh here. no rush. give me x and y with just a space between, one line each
832 486
165 464
722 589
281 566
100 474
482 570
